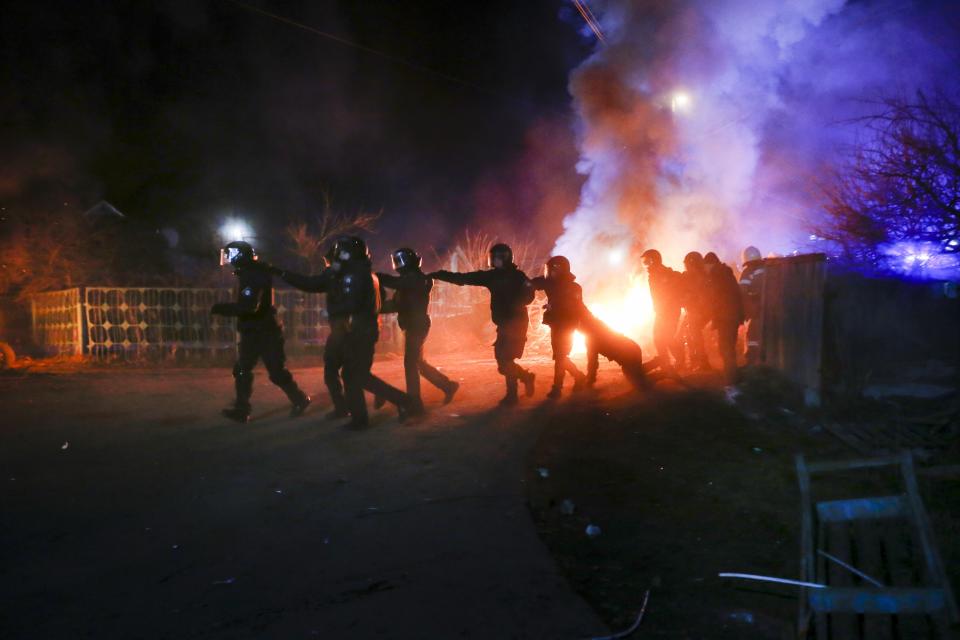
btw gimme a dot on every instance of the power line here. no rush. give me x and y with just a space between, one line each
360 47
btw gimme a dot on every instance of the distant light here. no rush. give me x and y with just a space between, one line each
813 236
235 229
616 256
680 101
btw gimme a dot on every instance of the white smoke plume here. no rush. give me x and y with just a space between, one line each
703 124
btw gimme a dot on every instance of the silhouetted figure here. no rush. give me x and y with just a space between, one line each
604 341
666 290
510 293
562 314
410 303
751 287
353 304
261 336
726 311
696 303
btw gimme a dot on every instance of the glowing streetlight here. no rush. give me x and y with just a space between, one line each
680 101
235 229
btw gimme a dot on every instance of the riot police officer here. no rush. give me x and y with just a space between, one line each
726 311
410 303
353 303
666 290
510 293
261 336
697 306
562 314
751 286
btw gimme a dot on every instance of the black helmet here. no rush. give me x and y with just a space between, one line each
237 253
556 267
350 248
711 258
501 256
651 257
404 258
693 260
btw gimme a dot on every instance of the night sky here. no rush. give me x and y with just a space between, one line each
181 112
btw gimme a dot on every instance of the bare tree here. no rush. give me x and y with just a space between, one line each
901 186
308 239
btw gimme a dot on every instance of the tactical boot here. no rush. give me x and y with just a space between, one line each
528 378
337 414
378 402
554 392
509 400
450 391
357 424
237 414
300 406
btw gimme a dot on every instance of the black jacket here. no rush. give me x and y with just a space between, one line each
723 295
352 290
254 306
412 297
510 290
666 290
564 301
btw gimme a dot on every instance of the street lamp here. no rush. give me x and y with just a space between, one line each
235 229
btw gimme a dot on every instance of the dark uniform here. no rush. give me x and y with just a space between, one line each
353 304
510 293
666 291
562 314
726 312
697 307
602 340
751 287
410 303
261 337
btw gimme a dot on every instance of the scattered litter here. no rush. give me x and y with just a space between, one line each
65 446
146 528
742 616
544 472
176 546
278 491
454 415
373 508
757 450
227 581
567 507
633 627
785 411
592 531
12 479
750 576
326 541
731 394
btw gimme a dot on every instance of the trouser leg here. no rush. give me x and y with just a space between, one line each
727 339
248 352
559 372
275 360
664 338
333 362
511 338
358 358
412 356
593 362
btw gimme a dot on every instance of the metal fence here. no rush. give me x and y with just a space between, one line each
792 339
130 323
57 322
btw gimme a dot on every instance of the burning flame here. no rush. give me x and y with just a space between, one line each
629 312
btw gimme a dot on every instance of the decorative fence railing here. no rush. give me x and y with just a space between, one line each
126 323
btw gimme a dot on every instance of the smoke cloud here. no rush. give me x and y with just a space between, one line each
703 125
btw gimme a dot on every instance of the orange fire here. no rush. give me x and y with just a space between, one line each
628 311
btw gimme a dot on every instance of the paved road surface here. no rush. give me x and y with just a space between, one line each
160 520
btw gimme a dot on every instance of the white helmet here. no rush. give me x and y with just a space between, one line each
750 254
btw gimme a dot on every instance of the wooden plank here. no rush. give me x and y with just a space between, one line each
862 508
843 623
900 571
806 544
869 559
873 600
856 463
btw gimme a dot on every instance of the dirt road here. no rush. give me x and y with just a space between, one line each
130 509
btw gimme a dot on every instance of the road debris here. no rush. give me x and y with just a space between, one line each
65 446
633 627
543 472
567 507
592 531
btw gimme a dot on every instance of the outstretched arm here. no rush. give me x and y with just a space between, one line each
473 278
319 283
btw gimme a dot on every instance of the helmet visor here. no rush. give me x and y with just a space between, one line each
229 255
